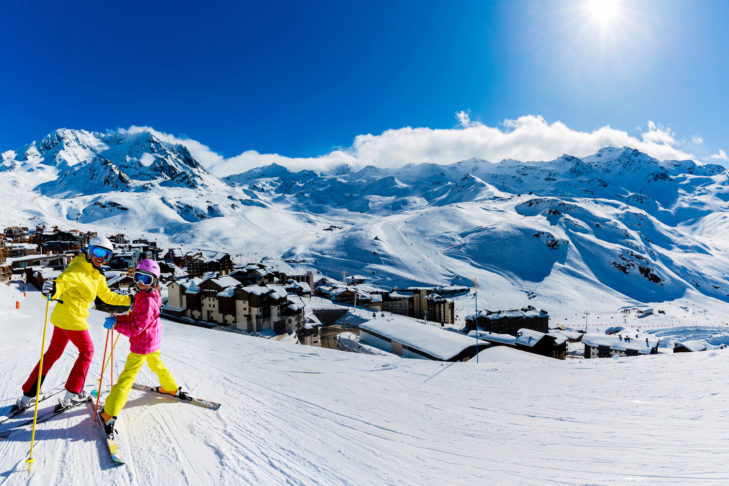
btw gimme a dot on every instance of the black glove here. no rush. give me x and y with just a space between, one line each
49 288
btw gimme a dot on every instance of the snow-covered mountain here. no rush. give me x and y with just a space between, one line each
616 228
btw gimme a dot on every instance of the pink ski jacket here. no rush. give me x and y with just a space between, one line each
142 323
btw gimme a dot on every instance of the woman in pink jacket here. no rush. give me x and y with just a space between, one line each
142 326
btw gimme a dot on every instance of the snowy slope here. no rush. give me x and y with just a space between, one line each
301 415
589 234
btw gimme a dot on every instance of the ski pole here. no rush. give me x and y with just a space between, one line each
105 362
111 354
37 383
111 370
101 376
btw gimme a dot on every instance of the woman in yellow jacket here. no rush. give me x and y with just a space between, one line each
75 289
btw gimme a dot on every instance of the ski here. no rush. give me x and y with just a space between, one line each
42 418
111 442
14 411
187 399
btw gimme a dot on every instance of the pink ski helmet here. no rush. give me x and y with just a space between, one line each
148 266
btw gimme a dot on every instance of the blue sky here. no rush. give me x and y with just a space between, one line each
301 79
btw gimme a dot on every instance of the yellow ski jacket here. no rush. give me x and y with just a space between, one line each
76 288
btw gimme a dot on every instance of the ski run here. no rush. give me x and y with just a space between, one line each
294 414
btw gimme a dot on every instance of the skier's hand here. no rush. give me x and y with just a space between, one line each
109 322
49 288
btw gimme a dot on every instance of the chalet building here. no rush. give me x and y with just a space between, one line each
550 345
292 315
350 296
300 277
408 338
325 282
175 257
622 344
60 246
397 303
420 303
308 333
253 274
301 289
218 262
58 241
690 347
124 260
147 247
217 300
19 264
16 233
225 301
37 275
452 291
16 250
264 304
119 239
121 283
509 321
441 310
5 268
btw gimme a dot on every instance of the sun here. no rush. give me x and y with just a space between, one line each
604 12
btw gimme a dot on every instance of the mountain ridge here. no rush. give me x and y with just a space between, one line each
628 226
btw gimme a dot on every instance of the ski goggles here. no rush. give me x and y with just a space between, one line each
100 252
143 278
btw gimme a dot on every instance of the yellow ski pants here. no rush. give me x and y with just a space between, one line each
120 392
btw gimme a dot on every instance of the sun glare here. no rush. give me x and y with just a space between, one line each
603 12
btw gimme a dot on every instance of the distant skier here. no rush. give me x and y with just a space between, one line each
143 327
75 289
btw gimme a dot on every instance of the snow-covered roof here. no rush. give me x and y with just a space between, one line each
226 281
256 289
431 340
509 314
572 334
46 272
193 286
303 286
33 257
278 291
494 337
642 344
528 337
212 254
27 246
226 292
397 295
118 278
295 303
694 346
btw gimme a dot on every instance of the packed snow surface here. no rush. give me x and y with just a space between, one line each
293 414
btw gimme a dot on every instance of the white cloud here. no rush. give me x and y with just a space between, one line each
528 138
250 159
464 119
720 155
658 135
697 140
